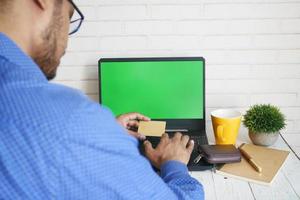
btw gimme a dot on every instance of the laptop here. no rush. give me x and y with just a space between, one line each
164 89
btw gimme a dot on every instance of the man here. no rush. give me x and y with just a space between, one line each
55 143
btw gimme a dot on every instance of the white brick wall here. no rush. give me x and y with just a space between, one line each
252 47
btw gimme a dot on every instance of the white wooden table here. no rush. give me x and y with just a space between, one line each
286 185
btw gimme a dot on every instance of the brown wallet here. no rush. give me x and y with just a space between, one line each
215 154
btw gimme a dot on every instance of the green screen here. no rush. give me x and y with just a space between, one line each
158 89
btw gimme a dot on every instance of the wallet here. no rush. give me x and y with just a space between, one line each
215 154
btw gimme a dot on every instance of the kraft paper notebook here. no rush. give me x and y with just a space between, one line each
269 159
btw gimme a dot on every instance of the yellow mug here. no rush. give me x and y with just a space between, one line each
226 124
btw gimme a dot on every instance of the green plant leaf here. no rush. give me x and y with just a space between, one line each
264 118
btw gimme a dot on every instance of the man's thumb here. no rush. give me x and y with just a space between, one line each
148 147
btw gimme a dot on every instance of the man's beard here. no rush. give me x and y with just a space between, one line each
47 58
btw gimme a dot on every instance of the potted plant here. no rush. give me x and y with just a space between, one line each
264 121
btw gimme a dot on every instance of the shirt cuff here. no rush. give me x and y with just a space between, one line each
173 169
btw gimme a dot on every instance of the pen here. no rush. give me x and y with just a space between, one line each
250 159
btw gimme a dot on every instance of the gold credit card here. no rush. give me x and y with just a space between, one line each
152 128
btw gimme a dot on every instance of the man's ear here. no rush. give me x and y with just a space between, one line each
41 4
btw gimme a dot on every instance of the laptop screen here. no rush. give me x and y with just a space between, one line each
158 88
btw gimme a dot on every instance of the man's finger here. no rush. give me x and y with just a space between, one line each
190 146
185 139
165 136
177 137
138 116
148 148
163 140
142 117
133 123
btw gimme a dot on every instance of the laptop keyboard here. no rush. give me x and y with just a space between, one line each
199 140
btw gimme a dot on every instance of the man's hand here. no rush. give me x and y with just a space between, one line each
178 148
131 121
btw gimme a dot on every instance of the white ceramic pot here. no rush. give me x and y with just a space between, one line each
263 139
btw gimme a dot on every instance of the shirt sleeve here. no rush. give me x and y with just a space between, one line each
176 176
99 160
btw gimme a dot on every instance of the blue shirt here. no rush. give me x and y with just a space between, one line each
55 143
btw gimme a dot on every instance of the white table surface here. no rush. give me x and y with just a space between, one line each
286 185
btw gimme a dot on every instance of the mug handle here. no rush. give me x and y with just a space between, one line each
220 130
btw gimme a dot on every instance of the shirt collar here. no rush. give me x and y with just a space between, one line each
10 51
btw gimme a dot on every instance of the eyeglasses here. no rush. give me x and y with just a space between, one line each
76 19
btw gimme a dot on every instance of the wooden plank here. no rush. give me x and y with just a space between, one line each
291 168
297 150
206 178
280 189
230 188
294 141
291 171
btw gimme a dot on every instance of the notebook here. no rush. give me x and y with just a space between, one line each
269 159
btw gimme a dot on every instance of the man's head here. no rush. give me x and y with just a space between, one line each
40 28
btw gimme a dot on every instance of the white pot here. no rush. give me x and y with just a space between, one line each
263 139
